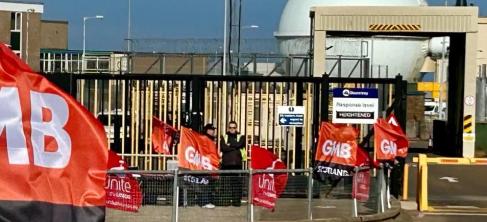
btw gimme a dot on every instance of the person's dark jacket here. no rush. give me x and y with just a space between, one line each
231 149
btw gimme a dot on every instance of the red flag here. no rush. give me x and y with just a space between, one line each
403 141
162 136
54 151
197 151
267 187
337 145
123 190
386 140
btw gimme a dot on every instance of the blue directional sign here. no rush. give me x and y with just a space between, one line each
291 116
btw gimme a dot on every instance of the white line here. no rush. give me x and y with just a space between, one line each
455 214
326 207
462 207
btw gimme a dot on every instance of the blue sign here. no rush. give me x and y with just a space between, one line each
290 116
291 119
355 93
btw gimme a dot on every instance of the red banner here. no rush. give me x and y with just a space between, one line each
337 145
123 190
267 187
361 186
403 141
53 150
162 136
197 151
386 140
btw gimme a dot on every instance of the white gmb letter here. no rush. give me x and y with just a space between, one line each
11 121
54 128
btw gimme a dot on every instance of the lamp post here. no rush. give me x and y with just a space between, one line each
225 38
27 35
240 41
84 38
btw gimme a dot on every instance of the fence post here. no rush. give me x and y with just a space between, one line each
250 206
380 178
310 193
354 193
175 198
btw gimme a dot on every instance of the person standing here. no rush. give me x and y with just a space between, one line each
232 145
206 197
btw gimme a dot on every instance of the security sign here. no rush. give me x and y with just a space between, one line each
355 105
290 115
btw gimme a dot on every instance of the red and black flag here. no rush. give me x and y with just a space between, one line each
53 152
336 152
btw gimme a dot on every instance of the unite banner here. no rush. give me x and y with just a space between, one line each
123 190
267 187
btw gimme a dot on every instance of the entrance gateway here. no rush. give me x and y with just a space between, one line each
459 23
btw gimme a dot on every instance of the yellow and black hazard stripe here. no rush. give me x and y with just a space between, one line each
467 124
394 27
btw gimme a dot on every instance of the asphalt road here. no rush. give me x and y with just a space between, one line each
461 191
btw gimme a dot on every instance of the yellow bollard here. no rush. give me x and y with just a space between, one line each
423 183
405 182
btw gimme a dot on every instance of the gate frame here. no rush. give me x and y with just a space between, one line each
461 23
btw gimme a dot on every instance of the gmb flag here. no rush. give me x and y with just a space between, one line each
53 152
196 151
336 152
389 142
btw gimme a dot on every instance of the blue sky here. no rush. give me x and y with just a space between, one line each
166 19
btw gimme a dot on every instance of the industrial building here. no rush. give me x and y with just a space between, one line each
23 29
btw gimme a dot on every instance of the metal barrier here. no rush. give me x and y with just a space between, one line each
125 104
178 196
423 161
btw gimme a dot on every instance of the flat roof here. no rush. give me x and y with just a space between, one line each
21 6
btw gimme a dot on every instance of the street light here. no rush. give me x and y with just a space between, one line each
240 41
84 38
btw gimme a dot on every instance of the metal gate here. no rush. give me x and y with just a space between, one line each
125 104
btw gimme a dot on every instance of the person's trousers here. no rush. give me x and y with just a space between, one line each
233 183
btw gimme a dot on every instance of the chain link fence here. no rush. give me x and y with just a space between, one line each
224 196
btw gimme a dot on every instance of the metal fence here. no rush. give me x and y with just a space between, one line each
126 104
179 195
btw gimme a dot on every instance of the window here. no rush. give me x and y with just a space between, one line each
16 32
15 40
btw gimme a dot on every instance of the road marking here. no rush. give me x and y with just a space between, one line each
462 207
455 214
450 179
326 207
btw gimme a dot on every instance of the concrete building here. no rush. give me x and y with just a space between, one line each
22 28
